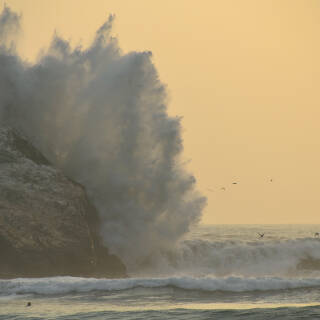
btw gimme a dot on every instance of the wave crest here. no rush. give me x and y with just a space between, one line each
64 285
198 257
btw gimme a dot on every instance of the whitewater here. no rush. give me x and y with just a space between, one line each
222 271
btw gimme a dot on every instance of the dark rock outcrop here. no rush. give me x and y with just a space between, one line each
47 225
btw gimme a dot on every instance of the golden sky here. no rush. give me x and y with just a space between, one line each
245 76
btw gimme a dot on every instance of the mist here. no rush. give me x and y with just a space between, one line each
101 117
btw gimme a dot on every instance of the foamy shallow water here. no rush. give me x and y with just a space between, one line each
58 308
218 272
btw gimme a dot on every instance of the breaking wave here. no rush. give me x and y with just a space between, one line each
65 285
101 116
199 257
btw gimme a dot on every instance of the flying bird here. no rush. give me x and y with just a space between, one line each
261 235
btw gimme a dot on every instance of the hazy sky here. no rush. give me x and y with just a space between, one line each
245 76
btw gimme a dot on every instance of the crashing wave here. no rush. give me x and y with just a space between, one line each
199 257
65 285
101 117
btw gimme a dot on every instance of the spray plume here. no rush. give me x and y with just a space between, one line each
100 116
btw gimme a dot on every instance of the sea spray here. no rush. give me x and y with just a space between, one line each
9 28
101 116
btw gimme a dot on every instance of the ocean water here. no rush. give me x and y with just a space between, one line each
216 272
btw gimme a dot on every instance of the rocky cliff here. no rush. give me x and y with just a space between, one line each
47 225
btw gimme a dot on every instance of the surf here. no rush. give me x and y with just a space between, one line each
68 285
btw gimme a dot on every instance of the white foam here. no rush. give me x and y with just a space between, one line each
66 285
275 258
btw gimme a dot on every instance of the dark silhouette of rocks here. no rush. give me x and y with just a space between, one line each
47 225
